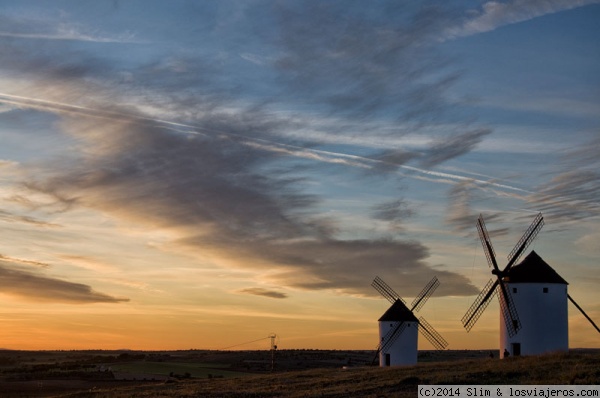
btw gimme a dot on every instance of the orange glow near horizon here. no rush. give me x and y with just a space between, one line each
238 169
74 329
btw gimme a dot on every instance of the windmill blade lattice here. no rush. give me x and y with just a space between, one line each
396 331
391 336
507 306
424 295
525 241
431 334
385 290
509 311
480 304
484 237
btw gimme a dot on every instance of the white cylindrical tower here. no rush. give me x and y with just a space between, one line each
403 349
540 297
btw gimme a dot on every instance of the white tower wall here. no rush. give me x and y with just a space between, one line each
543 313
404 350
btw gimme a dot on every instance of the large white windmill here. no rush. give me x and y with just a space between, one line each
398 326
533 299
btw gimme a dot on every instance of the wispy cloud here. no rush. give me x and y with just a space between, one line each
7 163
573 193
48 29
70 35
259 291
395 213
563 105
454 146
495 14
222 174
34 286
330 54
11 217
23 261
589 244
461 215
439 151
213 195
88 262
292 242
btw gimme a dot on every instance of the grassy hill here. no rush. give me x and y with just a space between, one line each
573 368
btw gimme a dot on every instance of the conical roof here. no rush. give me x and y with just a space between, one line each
533 270
398 312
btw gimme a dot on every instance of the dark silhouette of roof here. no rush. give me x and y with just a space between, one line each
398 312
533 270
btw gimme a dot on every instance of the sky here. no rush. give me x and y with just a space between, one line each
183 174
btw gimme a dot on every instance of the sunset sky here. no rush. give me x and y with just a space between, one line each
200 174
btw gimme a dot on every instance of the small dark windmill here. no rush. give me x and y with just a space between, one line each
398 326
532 289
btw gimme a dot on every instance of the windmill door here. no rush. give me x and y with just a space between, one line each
388 359
516 349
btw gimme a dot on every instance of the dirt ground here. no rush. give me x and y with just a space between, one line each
94 373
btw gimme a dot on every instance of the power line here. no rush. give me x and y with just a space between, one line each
247 342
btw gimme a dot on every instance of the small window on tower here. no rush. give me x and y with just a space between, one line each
408 325
514 289
545 290
391 325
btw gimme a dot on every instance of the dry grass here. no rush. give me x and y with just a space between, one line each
573 368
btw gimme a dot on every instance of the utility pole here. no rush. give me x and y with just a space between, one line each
272 336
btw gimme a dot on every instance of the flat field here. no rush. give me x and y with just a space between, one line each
296 373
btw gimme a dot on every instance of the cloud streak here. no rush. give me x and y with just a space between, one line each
572 193
209 191
495 14
454 146
219 171
70 35
259 291
10 217
53 30
33 286
440 151
397 71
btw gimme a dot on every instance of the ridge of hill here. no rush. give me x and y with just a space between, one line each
553 369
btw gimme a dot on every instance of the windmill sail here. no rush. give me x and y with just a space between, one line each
431 334
484 237
416 305
424 295
525 241
540 293
399 305
480 304
509 311
385 290
391 336
507 306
